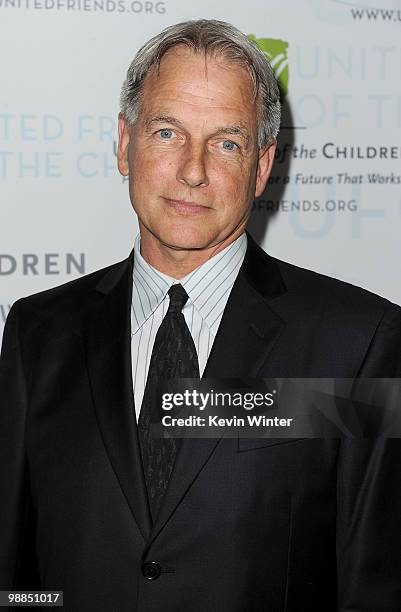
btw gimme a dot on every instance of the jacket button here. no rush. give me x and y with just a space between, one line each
151 570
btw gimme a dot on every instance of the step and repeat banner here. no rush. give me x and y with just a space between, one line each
333 203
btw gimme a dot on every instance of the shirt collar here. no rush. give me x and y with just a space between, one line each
203 285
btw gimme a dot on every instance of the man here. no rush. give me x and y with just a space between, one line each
91 503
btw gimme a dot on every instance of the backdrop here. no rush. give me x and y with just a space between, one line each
333 203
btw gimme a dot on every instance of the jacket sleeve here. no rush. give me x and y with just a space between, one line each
18 566
369 497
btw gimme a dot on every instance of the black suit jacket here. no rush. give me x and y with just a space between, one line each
246 525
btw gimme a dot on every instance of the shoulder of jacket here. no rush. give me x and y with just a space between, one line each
328 303
64 301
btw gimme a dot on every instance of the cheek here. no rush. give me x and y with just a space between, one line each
234 190
146 174
233 181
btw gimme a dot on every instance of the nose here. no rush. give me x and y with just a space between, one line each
192 168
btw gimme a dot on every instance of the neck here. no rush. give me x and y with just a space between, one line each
176 262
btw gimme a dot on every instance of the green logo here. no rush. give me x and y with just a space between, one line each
277 54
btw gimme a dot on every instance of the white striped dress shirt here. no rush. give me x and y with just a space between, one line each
208 288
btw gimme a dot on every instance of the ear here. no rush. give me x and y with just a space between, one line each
124 135
265 163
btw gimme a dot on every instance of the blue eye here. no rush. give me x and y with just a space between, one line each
229 145
166 133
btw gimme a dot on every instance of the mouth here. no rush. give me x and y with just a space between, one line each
185 207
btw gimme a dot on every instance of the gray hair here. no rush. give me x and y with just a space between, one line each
210 36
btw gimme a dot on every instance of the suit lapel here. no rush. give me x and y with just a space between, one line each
247 334
107 339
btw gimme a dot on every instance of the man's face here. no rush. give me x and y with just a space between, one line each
192 156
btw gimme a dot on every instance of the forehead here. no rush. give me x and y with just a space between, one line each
199 81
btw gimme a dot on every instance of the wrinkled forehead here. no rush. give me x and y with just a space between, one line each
180 54
202 89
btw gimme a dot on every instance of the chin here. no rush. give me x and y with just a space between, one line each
186 238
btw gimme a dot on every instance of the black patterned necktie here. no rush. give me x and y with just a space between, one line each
173 356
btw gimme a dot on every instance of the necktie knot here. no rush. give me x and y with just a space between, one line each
178 299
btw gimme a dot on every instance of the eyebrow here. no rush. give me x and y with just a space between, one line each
233 130
163 119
